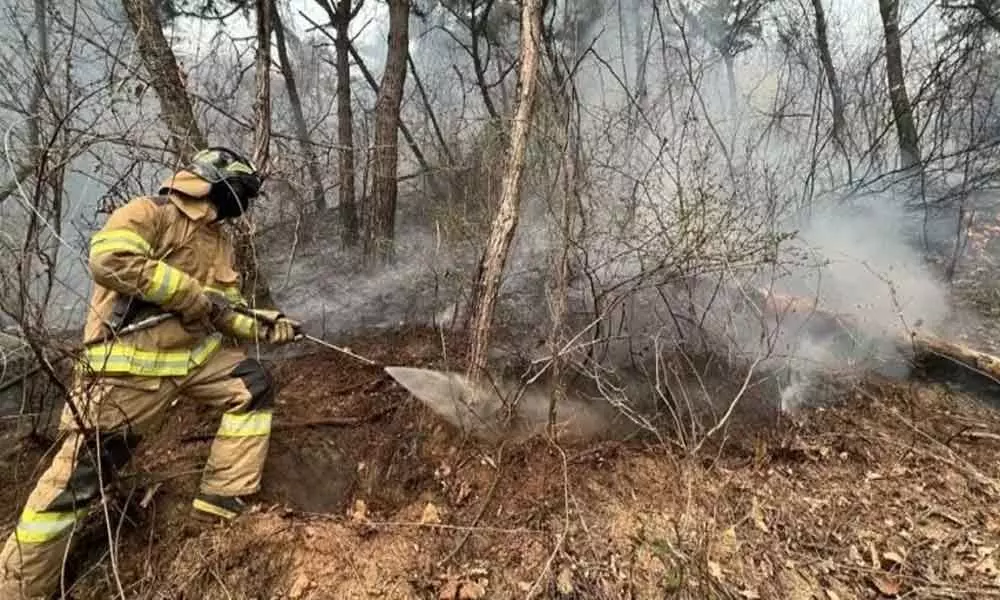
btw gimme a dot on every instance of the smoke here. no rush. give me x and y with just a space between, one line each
861 261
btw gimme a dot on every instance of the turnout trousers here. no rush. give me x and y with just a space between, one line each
120 411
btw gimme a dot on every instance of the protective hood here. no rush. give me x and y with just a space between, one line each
187 183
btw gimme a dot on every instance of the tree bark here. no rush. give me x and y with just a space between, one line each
990 12
477 27
41 76
341 18
262 98
494 258
380 211
301 128
158 58
902 111
255 285
430 112
823 45
345 125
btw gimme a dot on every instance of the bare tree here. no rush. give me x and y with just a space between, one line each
730 27
165 77
345 124
254 282
301 128
494 258
826 59
902 111
262 97
380 210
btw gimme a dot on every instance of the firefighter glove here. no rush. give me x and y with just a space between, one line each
276 327
205 311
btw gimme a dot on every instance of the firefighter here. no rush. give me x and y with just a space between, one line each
155 255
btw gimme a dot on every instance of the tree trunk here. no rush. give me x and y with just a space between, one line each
255 285
41 76
301 128
158 58
836 94
990 12
730 61
902 112
262 98
345 126
477 26
494 259
641 56
430 113
380 211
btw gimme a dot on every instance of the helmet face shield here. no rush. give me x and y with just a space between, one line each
234 180
219 164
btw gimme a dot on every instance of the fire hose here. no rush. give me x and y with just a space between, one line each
299 334
157 319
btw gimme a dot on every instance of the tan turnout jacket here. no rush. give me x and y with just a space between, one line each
157 254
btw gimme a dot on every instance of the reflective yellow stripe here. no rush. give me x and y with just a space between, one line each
36 527
212 509
118 240
242 325
231 294
164 284
120 358
245 424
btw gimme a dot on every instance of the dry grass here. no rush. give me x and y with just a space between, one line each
893 492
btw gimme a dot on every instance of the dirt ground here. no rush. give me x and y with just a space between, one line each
893 492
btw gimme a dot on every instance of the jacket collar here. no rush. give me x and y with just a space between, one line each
196 209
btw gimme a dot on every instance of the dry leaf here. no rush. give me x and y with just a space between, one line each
750 594
299 587
360 510
431 514
714 569
893 556
956 569
758 516
728 544
987 566
832 595
564 582
449 591
471 590
886 585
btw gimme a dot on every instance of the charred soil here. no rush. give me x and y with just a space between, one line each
891 492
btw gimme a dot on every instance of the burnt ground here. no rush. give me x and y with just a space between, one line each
890 492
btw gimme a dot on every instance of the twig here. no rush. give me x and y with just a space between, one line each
323 422
980 435
359 385
23 377
954 460
482 510
561 538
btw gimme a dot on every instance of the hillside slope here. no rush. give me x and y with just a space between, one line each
892 492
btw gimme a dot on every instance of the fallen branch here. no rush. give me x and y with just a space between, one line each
19 379
920 345
980 435
323 422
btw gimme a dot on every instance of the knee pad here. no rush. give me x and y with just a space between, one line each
259 383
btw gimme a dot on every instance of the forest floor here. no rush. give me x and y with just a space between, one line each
890 490
893 491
